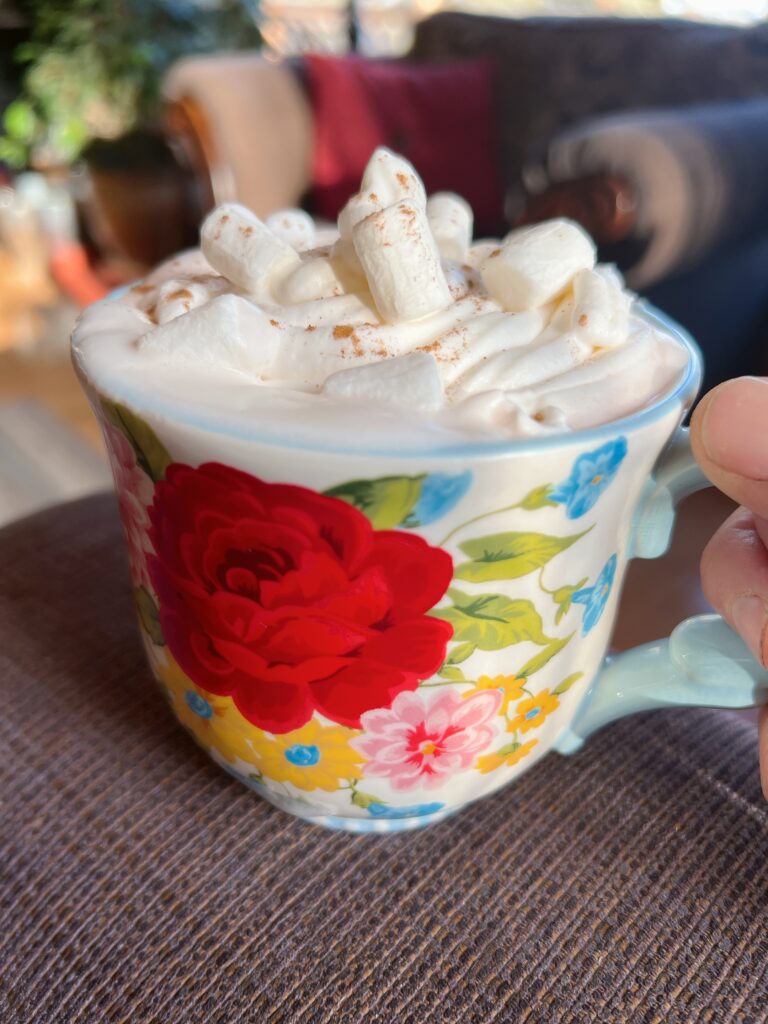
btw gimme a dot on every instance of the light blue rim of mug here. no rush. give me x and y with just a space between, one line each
679 398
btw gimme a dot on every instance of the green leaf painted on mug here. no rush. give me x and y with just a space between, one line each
386 501
508 556
543 657
563 594
459 653
508 748
150 452
365 800
563 597
149 616
452 673
567 683
537 498
492 621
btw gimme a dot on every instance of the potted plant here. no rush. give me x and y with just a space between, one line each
93 68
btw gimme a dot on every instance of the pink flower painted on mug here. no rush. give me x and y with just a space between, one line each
134 493
423 740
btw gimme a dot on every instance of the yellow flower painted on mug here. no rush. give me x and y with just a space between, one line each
507 756
531 713
313 757
511 688
214 721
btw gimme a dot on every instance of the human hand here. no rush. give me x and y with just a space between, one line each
729 434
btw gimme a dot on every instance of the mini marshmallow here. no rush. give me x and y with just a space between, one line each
457 280
401 263
600 308
178 296
450 218
242 248
190 263
387 179
533 265
326 234
392 178
478 253
357 208
313 279
294 227
229 331
347 266
412 380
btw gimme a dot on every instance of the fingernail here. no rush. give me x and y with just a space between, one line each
749 618
735 427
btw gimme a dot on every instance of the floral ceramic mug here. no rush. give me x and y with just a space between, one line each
371 641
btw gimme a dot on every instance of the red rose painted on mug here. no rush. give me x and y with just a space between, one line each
290 601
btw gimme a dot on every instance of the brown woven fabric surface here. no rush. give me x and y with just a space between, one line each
142 884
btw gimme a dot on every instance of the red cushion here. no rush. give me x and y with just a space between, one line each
436 115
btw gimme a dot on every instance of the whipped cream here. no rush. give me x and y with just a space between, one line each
393 329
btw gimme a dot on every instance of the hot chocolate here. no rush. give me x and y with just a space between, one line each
395 329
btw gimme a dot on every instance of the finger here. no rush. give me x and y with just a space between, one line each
734 577
729 435
763 744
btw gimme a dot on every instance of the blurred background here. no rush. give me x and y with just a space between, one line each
122 122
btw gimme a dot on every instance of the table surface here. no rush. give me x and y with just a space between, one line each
45 373
142 884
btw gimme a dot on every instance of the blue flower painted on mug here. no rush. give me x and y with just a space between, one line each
594 598
592 472
439 494
416 811
198 704
303 755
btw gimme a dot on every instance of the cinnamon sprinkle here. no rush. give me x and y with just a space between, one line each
222 221
357 345
343 331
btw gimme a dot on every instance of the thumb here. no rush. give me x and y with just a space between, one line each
729 435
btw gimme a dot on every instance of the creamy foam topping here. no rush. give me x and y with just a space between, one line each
393 330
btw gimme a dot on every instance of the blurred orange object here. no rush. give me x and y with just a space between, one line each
74 275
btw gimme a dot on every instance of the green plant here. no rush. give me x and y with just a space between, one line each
94 67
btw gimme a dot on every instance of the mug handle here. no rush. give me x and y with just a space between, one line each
703 663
